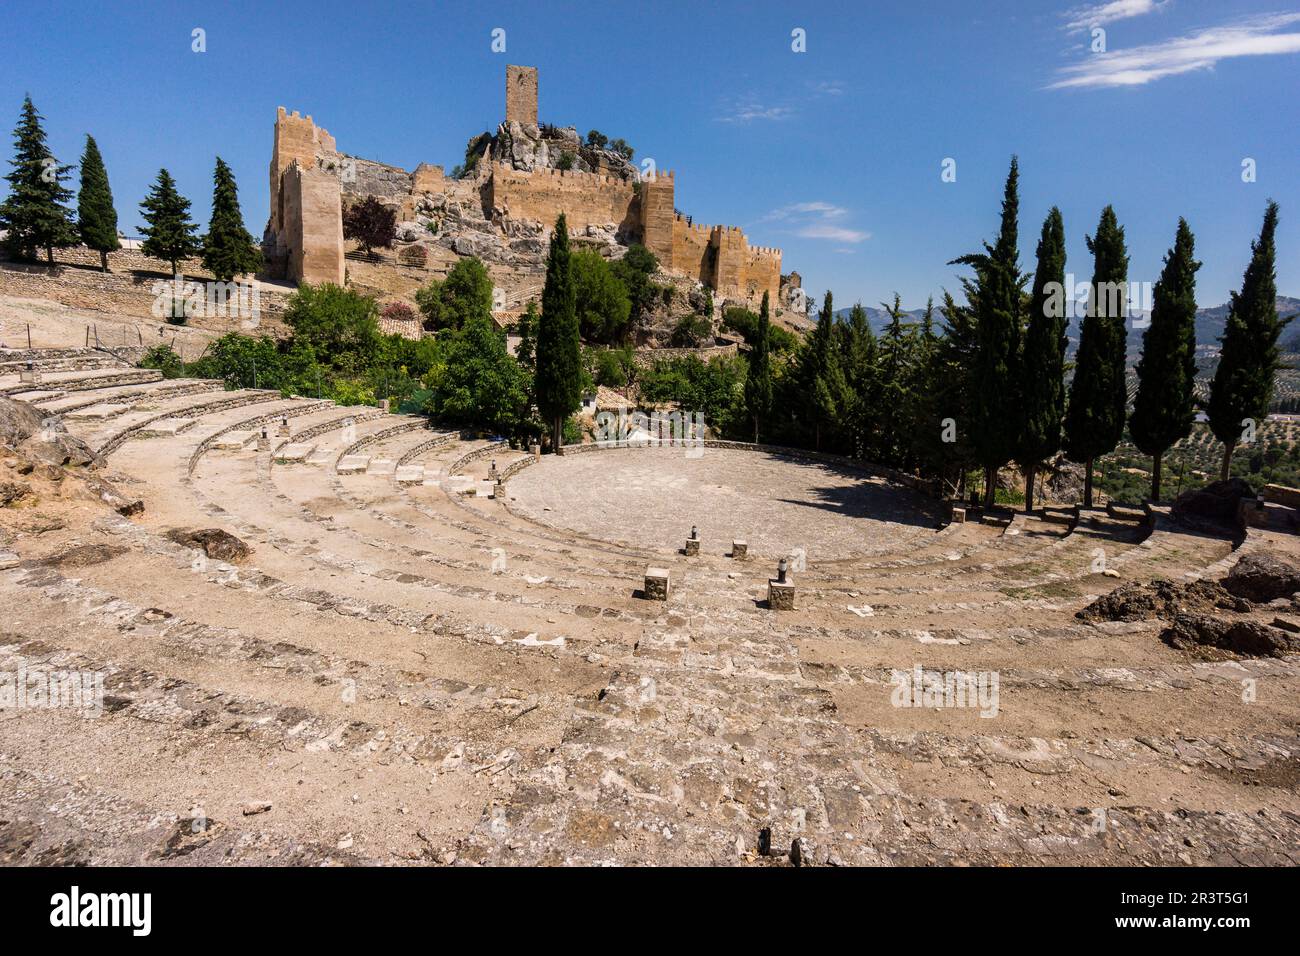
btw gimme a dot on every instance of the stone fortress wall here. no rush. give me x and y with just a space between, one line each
311 181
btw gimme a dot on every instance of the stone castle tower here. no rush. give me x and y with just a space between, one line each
311 180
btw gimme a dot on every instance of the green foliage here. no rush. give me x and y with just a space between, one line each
1165 407
744 323
565 161
165 359
823 387
96 217
371 223
596 138
1098 394
758 380
634 271
559 362
994 297
480 384
168 231
35 214
716 388
1043 384
612 368
1243 382
228 249
339 325
600 299
691 332
449 303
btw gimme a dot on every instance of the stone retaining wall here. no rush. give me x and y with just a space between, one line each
383 433
207 443
475 455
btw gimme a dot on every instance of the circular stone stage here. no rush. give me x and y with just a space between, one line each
648 498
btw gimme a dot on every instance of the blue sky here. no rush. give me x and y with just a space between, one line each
833 154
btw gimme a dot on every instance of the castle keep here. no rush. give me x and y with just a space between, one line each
507 199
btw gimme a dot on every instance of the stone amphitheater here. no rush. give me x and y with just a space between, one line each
413 663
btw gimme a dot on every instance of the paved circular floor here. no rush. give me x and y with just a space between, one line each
650 497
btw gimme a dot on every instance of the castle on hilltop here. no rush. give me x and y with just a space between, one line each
507 197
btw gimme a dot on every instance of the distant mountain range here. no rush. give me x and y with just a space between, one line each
1210 323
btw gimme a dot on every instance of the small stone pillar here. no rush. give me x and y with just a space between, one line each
958 515
264 439
30 375
499 489
535 450
656 584
492 470
284 427
693 542
780 590
383 405
739 550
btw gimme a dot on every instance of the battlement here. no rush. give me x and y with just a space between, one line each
306 210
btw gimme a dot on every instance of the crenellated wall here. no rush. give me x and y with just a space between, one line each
310 180
585 198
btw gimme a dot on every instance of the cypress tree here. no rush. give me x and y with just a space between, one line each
996 300
228 249
1043 382
559 358
169 233
96 217
1165 408
758 383
1243 382
824 388
34 214
896 350
1098 394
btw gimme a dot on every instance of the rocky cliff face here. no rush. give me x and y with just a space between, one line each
530 147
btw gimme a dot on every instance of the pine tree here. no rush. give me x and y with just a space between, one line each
559 357
1098 394
96 217
228 249
758 383
169 233
34 213
895 352
996 298
950 413
1243 382
1043 361
1165 407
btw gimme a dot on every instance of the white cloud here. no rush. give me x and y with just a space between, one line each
1255 36
748 111
1100 14
817 220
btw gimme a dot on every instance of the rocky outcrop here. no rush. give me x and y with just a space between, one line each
1245 637
215 543
1161 599
529 147
1262 577
1215 503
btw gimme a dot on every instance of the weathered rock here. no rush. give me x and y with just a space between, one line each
1216 502
1262 577
83 556
11 492
1160 599
18 421
1249 638
215 543
110 496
